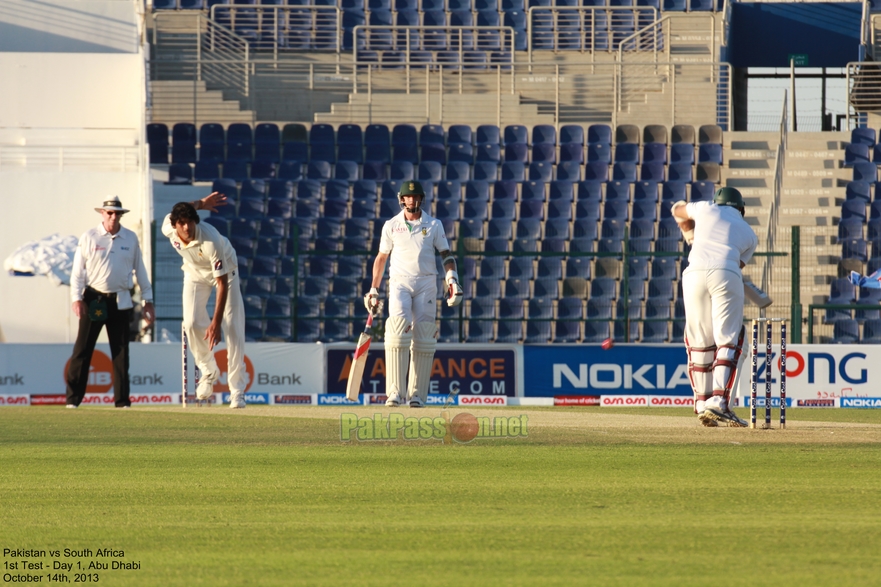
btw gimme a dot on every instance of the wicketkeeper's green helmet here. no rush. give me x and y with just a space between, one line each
729 197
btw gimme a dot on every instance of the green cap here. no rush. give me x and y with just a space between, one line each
411 188
728 197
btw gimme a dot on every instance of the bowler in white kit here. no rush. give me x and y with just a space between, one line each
210 262
411 240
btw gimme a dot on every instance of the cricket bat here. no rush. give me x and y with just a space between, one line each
356 372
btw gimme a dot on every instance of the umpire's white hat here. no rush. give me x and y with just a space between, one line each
112 203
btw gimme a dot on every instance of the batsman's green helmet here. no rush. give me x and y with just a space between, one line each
728 197
411 188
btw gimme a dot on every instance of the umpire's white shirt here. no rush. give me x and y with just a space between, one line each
108 263
722 238
412 245
208 256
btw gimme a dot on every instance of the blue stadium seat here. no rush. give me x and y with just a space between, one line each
544 153
513 171
863 136
540 171
521 268
682 153
572 153
680 172
855 153
180 174
295 151
596 171
858 190
429 171
449 190
206 170
475 210
600 152
458 171
516 133
433 152
239 142
702 191
157 138
263 169
447 210
528 228
290 170
846 331
569 171
235 170
500 227
486 170
319 170
517 152
377 143
345 170
557 228
599 134
854 209
402 170
183 143
865 171
460 133
623 171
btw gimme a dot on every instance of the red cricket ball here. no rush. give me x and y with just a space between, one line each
607 344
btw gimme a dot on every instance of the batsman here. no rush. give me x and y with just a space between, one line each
411 240
722 243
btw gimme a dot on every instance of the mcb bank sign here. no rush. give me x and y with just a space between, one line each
637 369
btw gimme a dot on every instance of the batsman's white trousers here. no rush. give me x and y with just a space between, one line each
713 307
197 320
413 298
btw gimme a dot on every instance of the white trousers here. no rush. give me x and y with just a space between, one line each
196 322
713 306
713 314
413 298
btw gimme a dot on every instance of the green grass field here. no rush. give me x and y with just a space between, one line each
270 497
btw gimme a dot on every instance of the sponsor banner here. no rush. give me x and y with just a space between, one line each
15 400
861 402
617 401
250 398
48 400
760 402
290 399
816 403
468 370
817 371
434 399
155 369
482 400
531 401
335 399
193 400
576 400
625 369
165 399
670 401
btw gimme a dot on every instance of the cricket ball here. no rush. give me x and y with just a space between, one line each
607 344
464 428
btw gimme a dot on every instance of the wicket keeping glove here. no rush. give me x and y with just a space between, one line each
454 289
371 300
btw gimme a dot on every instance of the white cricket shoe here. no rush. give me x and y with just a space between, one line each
416 402
700 407
393 401
717 409
205 389
237 400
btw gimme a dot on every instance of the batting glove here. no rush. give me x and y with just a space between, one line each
454 289
371 300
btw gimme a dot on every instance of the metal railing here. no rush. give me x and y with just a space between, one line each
863 83
455 42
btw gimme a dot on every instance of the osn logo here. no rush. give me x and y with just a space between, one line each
222 384
100 373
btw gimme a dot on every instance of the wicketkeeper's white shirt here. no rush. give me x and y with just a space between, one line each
412 245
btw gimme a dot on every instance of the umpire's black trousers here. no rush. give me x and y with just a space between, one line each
117 333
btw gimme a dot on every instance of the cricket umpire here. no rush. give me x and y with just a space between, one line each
106 263
410 240
722 243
